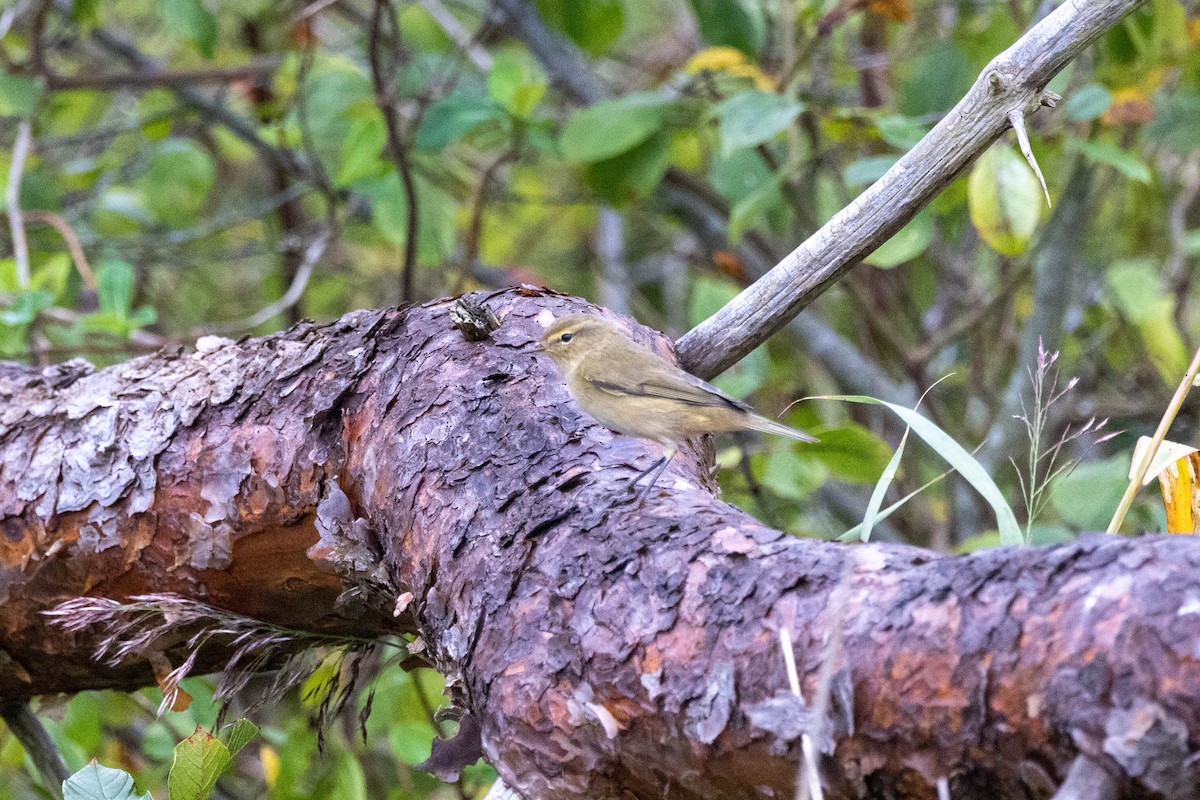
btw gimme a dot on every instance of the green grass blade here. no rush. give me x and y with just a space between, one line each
881 487
957 457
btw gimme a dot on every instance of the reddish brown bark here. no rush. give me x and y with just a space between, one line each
606 649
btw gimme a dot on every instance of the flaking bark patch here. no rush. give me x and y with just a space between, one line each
606 649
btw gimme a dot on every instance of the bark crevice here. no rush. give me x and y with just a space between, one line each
605 648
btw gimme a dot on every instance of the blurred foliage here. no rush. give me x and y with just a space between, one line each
199 148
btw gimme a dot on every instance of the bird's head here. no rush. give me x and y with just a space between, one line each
570 339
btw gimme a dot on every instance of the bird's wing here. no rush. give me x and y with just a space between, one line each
670 384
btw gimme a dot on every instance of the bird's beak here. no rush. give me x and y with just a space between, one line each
536 347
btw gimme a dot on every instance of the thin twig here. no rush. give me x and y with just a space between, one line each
475 230
213 110
432 715
151 80
449 23
10 16
385 99
1013 79
979 308
1176 268
294 291
311 9
1163 425
37 51
808 783
32 735
616 286
12 197
839 604
74 246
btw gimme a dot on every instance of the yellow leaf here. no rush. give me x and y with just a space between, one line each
270 764
716 59
733 62
1181 494
1004 200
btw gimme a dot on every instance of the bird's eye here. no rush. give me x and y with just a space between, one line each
566 337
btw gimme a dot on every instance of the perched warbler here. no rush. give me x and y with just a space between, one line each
632 390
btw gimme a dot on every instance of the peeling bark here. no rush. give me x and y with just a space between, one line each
606 650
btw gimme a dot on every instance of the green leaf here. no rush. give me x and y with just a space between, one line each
389 213
709 295
1136 288
612 127
361 149
95 782
751 118
631 174
1049 534
1088 103
346 781
1123 161
1086 498
593 24
199 761
418 29
84 11
26 306
957 457
980 541
1005 200
179 175
1174 123
851 452
786 473
453 117
739 175
725 22
53 275
1038 535
411 741
515 82
866 171
752 210
905 244
900 131
191 21
335 89
1138 292
114 286
141 317
104 322
747 375
19 95
239 736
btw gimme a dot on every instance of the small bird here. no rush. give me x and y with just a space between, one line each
632 390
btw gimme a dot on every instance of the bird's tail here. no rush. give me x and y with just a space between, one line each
767 426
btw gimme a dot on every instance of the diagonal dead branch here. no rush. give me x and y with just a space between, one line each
1015 79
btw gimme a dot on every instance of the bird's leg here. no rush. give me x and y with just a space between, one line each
658 467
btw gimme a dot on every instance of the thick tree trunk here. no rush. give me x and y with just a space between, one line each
606 649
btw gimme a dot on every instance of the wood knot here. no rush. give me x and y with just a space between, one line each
472 319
